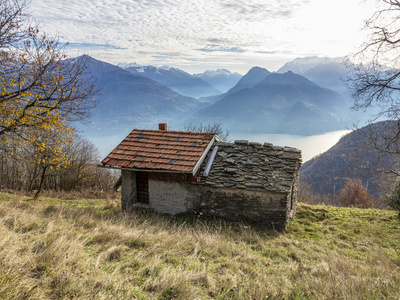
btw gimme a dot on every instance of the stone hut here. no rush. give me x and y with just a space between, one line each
176 172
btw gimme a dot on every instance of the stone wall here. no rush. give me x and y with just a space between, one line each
172 197
169 197
261 207
128 189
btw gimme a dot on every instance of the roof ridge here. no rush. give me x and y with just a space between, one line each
172 131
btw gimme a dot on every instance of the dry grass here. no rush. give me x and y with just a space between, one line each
88 249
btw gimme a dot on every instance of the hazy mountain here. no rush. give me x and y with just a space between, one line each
128 65
326 72
301 65
251 79
353 157
298 88
129 100
177 80
278 103
331 73
222 79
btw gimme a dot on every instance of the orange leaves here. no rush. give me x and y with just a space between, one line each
38 90
354 194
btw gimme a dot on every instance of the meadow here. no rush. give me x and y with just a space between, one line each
69 248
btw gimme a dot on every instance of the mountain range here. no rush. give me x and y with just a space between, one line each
128 100
330 73
222 79
278 103
258 102
177 80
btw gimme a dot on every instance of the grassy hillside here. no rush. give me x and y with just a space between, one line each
88 249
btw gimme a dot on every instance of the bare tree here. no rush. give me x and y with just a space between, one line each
209 127
393 199
375 78
375 81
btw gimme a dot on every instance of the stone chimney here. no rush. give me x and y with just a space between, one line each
162 126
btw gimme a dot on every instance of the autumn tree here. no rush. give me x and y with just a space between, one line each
354 194
68 167
39 88
41 91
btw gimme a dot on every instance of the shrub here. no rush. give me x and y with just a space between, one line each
354 194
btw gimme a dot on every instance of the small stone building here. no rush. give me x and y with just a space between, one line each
176 172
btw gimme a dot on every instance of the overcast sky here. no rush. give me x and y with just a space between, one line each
205 34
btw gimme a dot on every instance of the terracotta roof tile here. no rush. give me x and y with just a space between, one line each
160 150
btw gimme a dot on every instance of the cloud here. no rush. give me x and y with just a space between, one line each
91 46
161 24
261 8
151 30
266 52
219 48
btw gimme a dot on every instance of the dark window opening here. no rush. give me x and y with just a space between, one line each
142 186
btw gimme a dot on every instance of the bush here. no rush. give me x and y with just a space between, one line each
354 194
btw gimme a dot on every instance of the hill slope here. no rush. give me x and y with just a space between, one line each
88 249
353 157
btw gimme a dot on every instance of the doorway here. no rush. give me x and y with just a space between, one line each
142 185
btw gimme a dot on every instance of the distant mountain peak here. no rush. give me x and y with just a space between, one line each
128 65
166 68
254 76
219 72
177 80
222 79
257 69
301 65
325 71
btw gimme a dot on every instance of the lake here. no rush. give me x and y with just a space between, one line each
309 145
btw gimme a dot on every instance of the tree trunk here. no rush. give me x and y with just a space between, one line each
41 183
32 179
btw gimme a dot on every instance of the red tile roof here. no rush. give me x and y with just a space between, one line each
160 150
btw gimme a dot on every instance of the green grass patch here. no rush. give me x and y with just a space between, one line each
88 249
